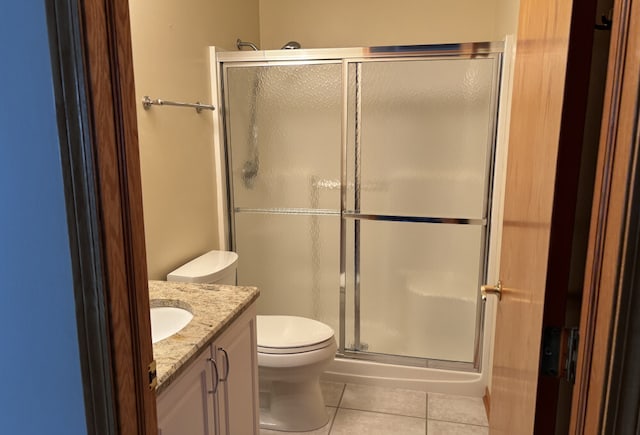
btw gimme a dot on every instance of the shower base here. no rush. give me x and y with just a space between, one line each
412 378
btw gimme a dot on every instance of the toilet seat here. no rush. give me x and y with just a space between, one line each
291 334
297 349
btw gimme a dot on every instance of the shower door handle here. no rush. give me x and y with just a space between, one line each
492 290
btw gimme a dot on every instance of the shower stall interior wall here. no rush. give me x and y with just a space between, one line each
359 187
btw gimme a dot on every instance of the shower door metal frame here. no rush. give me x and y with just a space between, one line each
358 56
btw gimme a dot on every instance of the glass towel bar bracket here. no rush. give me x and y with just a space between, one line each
147 102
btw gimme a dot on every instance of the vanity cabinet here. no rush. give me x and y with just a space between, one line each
218 393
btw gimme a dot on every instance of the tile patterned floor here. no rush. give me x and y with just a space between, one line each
363 409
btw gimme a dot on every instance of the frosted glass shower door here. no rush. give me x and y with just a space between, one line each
284 130
417 288
422 136
419 161
283 125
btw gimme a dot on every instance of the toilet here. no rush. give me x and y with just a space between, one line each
292 353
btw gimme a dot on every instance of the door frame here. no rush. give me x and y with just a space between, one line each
80 186
603 314
90 46
93 81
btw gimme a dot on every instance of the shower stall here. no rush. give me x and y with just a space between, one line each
359 186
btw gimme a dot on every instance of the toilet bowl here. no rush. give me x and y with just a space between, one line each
292 353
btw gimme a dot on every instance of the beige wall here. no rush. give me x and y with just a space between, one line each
355 23
506 17
170 49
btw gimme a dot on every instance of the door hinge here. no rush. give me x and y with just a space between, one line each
559 353
153 375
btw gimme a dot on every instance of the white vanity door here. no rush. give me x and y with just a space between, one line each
186 407
236 354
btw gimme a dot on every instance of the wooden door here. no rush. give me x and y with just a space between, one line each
547 120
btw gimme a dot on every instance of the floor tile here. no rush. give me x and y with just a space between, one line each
436 427
352 422
322 431
332 392
457 409
388 400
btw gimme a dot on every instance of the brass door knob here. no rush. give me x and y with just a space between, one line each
491 290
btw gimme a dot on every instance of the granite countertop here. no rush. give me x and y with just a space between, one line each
213 306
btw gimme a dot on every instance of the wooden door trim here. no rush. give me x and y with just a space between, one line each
622 404
609 208
81 191
93 74
110 68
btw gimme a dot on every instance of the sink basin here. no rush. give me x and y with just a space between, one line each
166 321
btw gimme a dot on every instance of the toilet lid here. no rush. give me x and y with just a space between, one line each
207 268
279 334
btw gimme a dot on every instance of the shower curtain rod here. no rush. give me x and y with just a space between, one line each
147 102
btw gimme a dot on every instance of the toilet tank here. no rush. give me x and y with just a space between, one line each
214 267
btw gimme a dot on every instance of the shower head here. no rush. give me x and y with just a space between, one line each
291 45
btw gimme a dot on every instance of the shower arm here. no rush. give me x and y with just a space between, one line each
291 45
240 43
